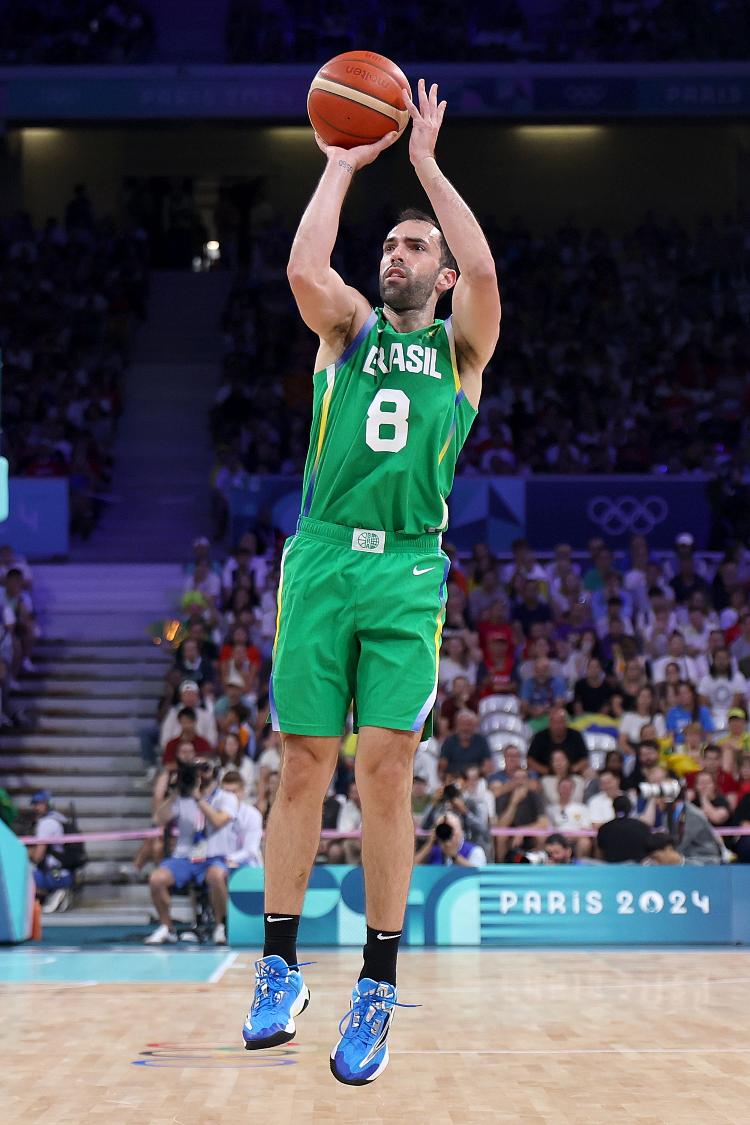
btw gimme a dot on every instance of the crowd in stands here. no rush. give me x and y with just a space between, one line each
18 630
619 355
70 296
507 31
77 32
600 695
69 32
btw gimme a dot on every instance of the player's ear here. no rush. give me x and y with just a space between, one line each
446 279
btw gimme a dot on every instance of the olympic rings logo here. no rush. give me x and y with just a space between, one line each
616 515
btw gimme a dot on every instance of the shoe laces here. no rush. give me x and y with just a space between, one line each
360 1023
270 986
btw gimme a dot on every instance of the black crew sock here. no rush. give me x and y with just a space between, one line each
380 952
280 936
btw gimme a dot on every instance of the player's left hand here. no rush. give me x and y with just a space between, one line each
425 121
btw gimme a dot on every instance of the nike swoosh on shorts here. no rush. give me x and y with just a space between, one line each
422 571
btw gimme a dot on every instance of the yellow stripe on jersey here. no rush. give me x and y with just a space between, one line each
330 378
454 362
448 441
279 594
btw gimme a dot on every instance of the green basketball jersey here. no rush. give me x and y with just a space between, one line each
389 420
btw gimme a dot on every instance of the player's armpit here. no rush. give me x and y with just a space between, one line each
476 317
326 304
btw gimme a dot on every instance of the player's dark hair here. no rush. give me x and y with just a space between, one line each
447 261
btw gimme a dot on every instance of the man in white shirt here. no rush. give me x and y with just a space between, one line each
567 814
600 806
691 668
205 816
248 827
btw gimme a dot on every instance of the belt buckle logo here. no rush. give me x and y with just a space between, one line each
372 542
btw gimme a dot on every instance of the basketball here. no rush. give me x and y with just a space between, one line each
356 99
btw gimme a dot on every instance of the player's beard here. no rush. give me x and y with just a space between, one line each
409 294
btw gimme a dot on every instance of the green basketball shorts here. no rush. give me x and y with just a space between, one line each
360 616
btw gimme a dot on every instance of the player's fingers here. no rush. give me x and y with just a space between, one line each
433 95
423 102
441 112
409 104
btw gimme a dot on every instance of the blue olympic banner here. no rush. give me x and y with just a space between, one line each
16 888
520 905
546 510
514 90
38 517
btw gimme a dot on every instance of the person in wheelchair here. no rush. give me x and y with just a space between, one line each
204 815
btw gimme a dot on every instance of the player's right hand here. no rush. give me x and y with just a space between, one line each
360 156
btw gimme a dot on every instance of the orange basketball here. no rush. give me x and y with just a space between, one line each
356 99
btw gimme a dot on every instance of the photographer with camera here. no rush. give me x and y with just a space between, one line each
448 845
687 833
204 815
451 798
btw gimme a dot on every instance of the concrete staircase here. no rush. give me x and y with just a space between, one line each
97 682
160 494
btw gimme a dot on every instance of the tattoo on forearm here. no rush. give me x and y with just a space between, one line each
349 167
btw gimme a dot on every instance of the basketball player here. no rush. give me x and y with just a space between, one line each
362 590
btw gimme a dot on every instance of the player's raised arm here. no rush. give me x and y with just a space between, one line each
476 300
327 305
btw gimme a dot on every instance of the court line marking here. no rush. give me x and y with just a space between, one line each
583 1051
219 971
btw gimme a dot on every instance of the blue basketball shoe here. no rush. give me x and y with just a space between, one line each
280 995
361 1053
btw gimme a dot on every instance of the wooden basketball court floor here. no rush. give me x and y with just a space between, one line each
152 1037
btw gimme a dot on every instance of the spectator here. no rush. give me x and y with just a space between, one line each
461 697
542 691
248 825
531 610
465 748
740 648
205 723
713 805
723 688
448 845
559 850
690 669
459 656
558 735
567 813
647 758
512 761
632 722
725 780
601 805
690 835
187 720
53 881
519 805
736 743
624 839
496 675
234 759
559 769
688 710
192 665
592 694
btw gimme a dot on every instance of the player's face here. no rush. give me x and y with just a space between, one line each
410 265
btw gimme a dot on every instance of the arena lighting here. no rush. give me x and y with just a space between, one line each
212 246
40 135
560 132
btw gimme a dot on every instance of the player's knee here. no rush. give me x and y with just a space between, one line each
303 770
387 775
